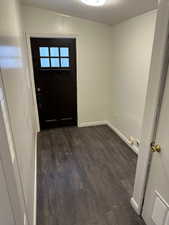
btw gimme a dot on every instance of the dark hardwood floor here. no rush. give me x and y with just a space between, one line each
85 177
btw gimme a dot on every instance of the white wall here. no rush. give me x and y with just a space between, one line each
132 43
19 98
92 56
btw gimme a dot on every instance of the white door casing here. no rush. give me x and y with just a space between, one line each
8 165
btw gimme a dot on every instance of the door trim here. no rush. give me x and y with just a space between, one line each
158 73
8 158
31 71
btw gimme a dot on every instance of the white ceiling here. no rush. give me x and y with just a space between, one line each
114 11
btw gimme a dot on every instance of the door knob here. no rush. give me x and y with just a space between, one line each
155 148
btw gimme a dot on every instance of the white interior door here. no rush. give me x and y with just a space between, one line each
156 204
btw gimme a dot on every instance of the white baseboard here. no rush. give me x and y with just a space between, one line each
123 137
134 205
90 124
35 184
104 122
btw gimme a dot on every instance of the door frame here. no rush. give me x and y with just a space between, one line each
155 90
9 161
28 36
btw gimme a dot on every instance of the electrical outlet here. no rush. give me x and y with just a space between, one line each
131 140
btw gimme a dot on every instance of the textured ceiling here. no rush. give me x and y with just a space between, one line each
114 11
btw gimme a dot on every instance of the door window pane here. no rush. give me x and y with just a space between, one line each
54 51
64 52
64 62
44 51
44 62
54 57
54 62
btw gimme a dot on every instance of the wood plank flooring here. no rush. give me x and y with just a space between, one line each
85 177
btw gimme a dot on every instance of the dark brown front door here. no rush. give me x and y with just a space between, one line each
54 63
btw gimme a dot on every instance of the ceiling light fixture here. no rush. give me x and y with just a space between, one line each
94 2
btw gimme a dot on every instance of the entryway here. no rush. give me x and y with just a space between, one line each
85 175
54 63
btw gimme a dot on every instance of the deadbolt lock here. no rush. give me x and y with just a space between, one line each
155 148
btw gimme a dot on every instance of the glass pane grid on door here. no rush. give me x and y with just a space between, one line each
54 57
